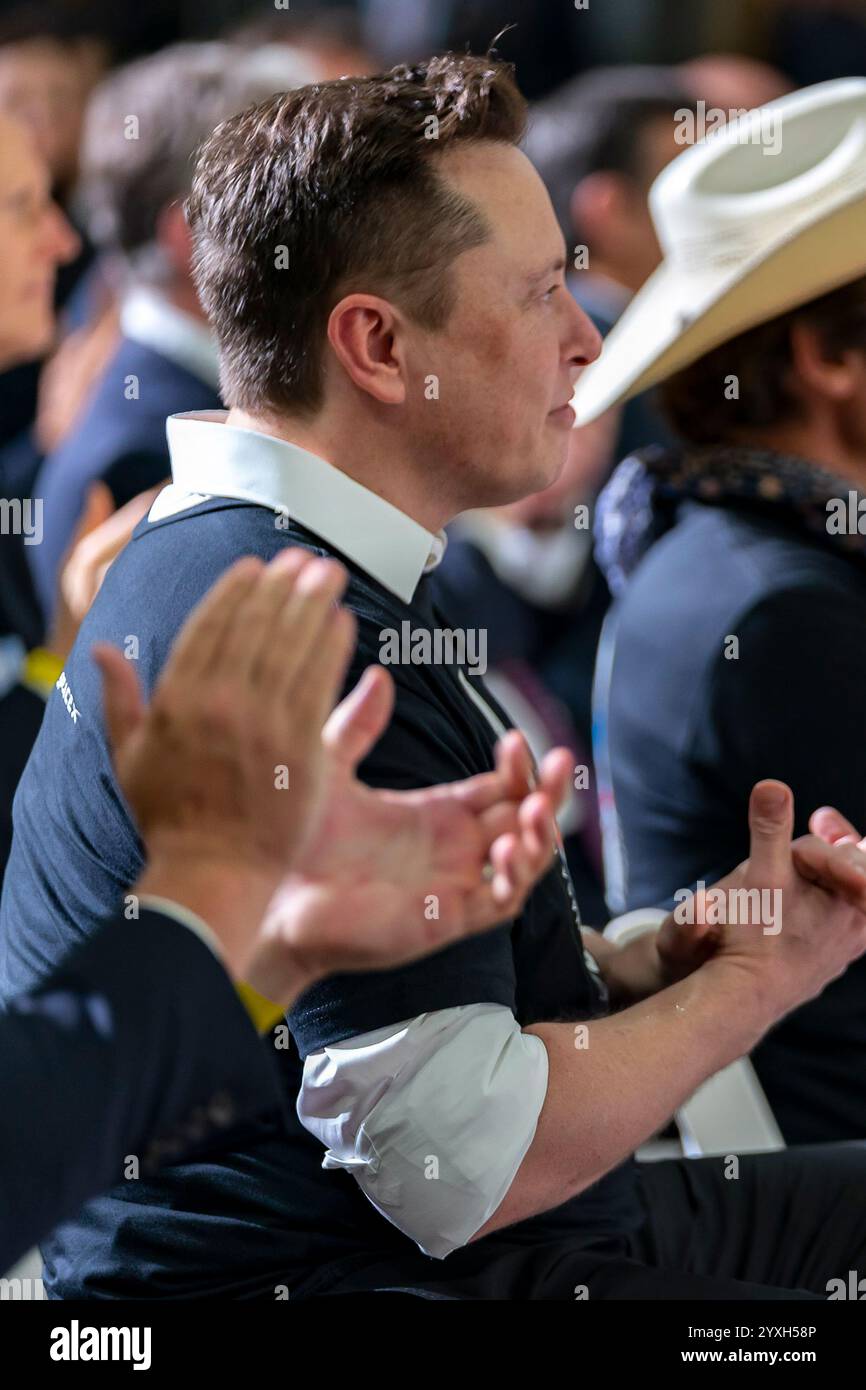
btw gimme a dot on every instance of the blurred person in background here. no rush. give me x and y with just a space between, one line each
35 240
45 81
731 82
599 143
49 63
735 646
50 59
331 38
142 127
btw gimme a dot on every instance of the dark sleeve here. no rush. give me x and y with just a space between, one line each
791 705
21 712
137 1045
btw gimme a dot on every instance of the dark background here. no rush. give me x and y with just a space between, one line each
810 40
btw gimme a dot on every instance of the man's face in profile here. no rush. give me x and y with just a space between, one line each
34 239
507 358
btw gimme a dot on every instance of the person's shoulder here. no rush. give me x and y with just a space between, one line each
687 586
704 541
172 561
725 560
144 376
127 409
162 385
771 552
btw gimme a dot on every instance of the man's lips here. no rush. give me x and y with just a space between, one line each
564 414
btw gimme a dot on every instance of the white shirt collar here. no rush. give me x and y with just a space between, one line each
212 459
148 318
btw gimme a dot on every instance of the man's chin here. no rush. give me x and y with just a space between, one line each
551 468
504 488
30 348
533 488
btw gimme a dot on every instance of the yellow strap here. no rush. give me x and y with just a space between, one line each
263 1012
40 671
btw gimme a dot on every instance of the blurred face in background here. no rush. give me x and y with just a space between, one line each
35 239
612 211
45 86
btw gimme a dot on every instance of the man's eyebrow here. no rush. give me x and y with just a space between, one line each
552 268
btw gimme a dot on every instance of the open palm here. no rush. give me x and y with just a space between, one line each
387 875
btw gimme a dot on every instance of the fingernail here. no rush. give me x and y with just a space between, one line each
773 800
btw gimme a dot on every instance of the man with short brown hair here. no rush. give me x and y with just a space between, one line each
386 278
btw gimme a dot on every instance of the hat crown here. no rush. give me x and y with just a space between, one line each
762 175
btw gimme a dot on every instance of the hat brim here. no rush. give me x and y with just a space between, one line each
675 318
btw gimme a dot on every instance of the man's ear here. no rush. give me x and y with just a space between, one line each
364 332
594 200
830 380
174 239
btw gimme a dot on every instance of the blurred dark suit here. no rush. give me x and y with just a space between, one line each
20 612
137 1046
21 712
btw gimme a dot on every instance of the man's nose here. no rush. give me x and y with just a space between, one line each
584 340
61 241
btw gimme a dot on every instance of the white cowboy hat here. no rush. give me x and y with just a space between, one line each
759 217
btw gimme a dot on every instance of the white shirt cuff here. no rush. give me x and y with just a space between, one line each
625 928
432 1116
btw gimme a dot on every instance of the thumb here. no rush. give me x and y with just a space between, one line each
121 696
360 720
771 825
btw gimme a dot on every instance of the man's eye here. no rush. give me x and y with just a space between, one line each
551 291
